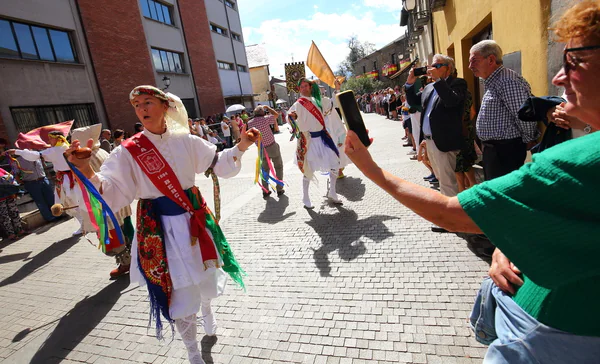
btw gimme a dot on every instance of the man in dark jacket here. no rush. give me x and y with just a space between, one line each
442 102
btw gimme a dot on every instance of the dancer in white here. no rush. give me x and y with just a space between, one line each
179 251
337 129
66 189
316 150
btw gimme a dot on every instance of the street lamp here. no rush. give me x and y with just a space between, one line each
167 82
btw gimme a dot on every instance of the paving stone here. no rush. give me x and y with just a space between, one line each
359 283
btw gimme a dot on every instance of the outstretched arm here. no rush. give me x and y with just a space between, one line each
433 206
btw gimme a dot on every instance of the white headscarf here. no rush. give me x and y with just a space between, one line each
176 116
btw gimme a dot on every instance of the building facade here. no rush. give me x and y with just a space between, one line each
258 62
230 52
74 59
458 24
384 63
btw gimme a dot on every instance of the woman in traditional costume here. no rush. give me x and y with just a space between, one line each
179 251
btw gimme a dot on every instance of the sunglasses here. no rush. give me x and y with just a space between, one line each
569 62
439 65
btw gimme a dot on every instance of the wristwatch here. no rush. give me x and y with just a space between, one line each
587 129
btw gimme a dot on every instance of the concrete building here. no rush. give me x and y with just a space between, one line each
74 59
258 62
230 53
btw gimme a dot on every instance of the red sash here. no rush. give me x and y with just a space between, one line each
164 179
308 105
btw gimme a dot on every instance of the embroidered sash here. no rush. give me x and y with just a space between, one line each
151 247
60 177
324 134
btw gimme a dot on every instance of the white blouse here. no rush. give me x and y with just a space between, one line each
306 121
53 155
123 180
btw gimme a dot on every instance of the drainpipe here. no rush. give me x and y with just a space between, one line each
234 57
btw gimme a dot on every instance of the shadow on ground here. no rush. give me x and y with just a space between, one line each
479 245
78 322
40 259
352 188
14 257
274 211
344 232
206 345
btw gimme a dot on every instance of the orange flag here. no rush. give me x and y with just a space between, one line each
319 66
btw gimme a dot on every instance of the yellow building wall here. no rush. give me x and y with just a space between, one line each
259 76
517 25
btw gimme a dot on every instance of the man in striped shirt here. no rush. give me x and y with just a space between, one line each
505 137
263 123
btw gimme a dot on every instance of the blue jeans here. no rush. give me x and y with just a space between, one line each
42 194
523 339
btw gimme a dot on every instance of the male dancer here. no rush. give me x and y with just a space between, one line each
66 189
122 253
316 149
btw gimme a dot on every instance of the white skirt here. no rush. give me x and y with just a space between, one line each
191 282
319 157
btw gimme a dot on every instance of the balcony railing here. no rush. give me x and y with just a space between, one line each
420 18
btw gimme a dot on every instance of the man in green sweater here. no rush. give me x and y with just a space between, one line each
543 217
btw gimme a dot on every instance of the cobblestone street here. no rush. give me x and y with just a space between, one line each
366 282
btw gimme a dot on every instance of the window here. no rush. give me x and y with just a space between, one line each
393 58
374 65
19 40
364 69
31 117
242 68
167 61
157 11
225 65
230 4
218 29
190 107
236 36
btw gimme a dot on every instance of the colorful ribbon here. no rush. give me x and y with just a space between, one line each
266 174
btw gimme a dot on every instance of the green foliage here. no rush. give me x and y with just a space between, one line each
358 50
362 85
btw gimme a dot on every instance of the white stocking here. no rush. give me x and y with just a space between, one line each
305 195
333 174
187 329
208 318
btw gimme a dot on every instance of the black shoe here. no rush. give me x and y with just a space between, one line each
437 229
280 192
407 145
266 194
434 180
429 177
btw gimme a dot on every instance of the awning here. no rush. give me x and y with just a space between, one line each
403 70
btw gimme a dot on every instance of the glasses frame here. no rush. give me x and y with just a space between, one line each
437 66
569 65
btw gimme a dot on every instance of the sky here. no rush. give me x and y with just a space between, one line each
286 28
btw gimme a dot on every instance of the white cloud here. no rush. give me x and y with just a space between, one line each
391 5
285 40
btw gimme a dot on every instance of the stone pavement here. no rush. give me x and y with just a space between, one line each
366 282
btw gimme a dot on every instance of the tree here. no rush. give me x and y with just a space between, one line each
362 85
358 50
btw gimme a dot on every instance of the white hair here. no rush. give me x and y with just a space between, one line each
488 48
446 59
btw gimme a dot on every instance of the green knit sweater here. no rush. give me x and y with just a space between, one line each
545 218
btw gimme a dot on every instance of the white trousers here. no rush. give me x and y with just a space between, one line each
443 164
